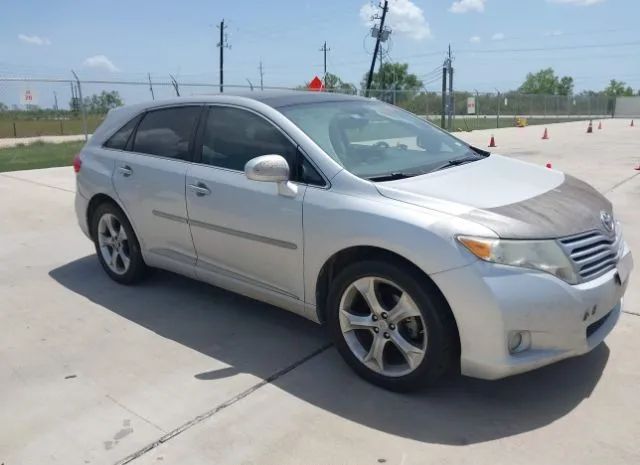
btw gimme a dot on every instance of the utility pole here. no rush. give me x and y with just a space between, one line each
55 101
378 35
324 49
151 87
224 43
261 76
444 95
451 100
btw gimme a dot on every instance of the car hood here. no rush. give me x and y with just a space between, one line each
515 199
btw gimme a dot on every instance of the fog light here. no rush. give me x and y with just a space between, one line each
519 341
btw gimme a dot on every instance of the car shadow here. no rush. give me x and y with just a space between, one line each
249 336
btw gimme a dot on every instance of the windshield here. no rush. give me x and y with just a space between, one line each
377 141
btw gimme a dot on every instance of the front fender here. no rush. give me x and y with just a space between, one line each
334 221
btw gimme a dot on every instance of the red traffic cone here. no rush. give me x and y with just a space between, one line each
545 136
631 123
549 166
590 127
492 142
637 168
599 124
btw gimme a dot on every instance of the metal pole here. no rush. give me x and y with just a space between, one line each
221 55
451 98
82 107
151 87
498 115
444 96
377 47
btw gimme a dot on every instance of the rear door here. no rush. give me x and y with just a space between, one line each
149 179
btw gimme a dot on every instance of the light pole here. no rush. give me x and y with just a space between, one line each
498 115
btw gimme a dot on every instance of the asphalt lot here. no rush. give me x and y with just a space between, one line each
178 372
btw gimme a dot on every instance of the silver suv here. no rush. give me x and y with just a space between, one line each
419 252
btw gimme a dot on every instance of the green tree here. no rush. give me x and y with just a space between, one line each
545 81
393 76
98 103
618 89
335 84
565 86
3 107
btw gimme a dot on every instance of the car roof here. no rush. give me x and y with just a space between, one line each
273 98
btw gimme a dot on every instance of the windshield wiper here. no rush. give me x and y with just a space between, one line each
456 162
392 176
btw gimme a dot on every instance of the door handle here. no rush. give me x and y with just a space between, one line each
125 170
200 189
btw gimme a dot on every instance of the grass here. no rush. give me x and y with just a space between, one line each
46 127
38 155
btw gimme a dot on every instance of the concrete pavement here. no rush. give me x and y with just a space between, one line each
175 371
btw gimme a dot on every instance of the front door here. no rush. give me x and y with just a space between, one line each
242 229
149 179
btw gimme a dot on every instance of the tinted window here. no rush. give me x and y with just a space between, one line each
120 138
232 137
309 175
167 132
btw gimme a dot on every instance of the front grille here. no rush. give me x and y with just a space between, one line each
593 327
593 253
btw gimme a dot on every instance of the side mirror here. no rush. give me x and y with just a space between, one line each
267 168
271 168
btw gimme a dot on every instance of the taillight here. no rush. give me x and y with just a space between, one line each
77 163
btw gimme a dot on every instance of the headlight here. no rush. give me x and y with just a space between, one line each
543 255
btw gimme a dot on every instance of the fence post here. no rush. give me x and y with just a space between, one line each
82 107
15 133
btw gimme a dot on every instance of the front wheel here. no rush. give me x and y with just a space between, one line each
391 325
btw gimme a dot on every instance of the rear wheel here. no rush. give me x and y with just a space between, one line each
116 245
390 325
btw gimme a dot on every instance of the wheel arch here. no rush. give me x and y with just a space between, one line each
97 200
353 254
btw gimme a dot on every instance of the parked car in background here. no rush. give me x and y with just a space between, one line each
420 253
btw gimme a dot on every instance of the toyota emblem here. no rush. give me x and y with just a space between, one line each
607 221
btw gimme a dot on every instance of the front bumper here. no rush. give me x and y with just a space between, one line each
490 302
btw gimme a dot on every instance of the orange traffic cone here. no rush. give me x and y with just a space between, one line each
549 165
492 142
590 127
599 124
545 136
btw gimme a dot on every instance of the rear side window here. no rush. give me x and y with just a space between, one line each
119 139
233 136
167 132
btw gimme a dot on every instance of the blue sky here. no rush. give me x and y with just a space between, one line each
126 39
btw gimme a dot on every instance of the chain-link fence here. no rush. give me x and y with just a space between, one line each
36 107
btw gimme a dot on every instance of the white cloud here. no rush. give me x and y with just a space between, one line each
555 33
577 2
464 6
497 36
101 61
34 40
404 17
474 39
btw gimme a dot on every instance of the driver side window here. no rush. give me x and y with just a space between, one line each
233 136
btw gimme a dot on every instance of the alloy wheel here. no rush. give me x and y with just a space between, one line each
383 326
114 244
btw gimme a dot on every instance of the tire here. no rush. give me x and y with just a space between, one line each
430 328
129 266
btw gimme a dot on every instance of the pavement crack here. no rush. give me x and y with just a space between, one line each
625 180
37 183
208 414
120 404
630 313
